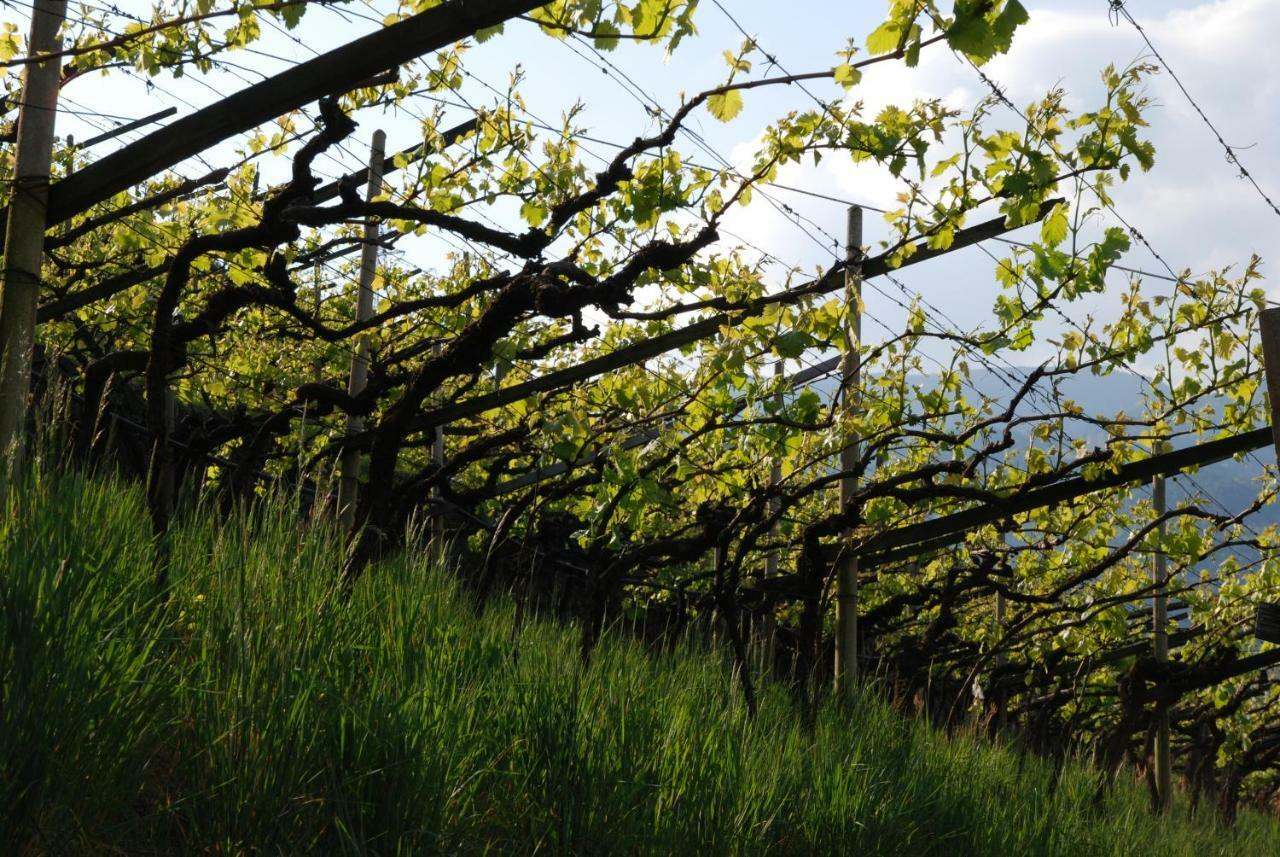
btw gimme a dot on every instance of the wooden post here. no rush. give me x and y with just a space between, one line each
24 235
323 478
332 72
1269 324
846 666
1001 700
317 365
1001 613
304 425
1160 637
348 481
768 627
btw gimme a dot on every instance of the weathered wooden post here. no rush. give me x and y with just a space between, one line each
1269 328
1001 700
24 236
1267 623
348 481
846 666
317 365
304 425
768 627
1160 635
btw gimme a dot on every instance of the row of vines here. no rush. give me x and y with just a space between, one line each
643 419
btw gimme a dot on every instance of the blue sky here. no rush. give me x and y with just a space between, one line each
1192 207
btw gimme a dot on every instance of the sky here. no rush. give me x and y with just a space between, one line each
1193 207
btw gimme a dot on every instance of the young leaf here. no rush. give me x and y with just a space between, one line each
847 76
1055 227
606 36
725 105
885 38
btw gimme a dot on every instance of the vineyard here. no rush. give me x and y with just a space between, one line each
540 353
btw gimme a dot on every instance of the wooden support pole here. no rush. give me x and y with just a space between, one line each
1000 698
768 627
1269 324
317 365
304 435
329 73
348 480
846 666
1160 637
24 235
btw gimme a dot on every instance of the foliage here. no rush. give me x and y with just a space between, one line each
654 477
253 713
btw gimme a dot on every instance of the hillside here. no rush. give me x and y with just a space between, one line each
256 712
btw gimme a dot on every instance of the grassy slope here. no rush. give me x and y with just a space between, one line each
255 713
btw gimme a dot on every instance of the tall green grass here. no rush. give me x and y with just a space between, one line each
257 713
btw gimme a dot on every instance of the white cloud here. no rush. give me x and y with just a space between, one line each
1192 207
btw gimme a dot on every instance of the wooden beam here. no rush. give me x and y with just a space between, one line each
116 284
406 156
301 84
156 200
814 372
699 330
640 438
127 127
917 539
101 291
1011 679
